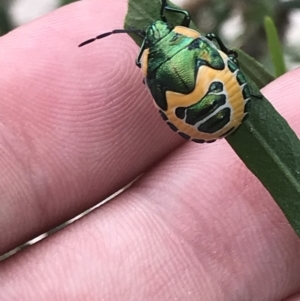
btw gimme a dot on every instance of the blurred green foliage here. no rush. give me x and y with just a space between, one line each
65 2
212 15
5 19
6 23
274 46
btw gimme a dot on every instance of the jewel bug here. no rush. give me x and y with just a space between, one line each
197 87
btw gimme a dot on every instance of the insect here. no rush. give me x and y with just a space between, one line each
197 87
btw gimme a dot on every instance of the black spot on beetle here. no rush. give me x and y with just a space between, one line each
216 122
216 87
183 135
198 140
180 112
194 45
232 66
204 108
163 115
240 78
172 126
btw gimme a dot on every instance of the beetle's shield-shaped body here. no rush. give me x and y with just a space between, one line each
199 90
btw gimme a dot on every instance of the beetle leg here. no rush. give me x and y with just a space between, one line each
138 59
164 6
231 53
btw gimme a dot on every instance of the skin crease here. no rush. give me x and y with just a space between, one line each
77 125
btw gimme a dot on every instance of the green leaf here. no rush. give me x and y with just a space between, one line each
274 47
271 150
265 142
290 5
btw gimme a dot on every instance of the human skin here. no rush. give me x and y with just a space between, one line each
77 124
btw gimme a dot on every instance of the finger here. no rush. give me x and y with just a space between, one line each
77 124
283 93
197 227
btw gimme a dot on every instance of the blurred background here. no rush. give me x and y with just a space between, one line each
238 22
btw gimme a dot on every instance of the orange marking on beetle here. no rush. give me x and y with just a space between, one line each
188 32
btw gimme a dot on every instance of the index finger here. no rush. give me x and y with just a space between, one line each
77 124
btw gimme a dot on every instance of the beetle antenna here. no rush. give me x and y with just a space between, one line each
139 32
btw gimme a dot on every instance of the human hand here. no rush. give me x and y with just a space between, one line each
77 124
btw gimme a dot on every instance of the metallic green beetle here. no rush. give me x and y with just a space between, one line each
198 88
